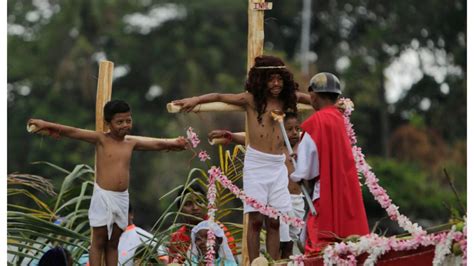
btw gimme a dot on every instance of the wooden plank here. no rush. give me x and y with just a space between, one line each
255 34
254 48
104 93
224 107
142 138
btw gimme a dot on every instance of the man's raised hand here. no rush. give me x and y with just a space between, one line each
187 104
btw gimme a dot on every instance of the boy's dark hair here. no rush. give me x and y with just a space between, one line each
329 96
289 115
114 107
265 66
55 256
194 187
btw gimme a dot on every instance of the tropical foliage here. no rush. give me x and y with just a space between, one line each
43 218
39 218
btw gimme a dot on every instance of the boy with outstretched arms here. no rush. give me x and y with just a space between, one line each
270 86
108 212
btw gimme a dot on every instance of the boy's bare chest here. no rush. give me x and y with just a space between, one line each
114 151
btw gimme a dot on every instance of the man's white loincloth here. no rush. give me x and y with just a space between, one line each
108 207
266 180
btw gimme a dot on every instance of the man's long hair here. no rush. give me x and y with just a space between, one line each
257 80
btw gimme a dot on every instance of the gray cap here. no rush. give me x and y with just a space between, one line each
325 82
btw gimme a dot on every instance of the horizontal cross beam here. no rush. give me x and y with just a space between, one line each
224 107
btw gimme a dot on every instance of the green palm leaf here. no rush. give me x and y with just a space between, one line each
31 229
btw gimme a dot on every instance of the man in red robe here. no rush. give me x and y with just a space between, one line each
325 154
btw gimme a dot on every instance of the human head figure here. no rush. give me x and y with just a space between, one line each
199 240
269 77
191 203
292 127
56 256
118 116
324 89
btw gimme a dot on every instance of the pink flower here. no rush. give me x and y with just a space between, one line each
203 156
298 259
192 137
215 172
211 239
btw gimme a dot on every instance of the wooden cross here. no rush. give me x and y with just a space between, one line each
255 39
104 93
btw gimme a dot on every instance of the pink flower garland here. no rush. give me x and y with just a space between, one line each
374 245
298 260
211 213
344 253
215 173
371 180
340 253
263 209
192 137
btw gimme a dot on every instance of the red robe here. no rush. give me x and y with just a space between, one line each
340 208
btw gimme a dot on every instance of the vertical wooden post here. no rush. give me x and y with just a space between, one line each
255 33
254 48
104 93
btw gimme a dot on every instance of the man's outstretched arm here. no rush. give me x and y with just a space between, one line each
303 97
187 104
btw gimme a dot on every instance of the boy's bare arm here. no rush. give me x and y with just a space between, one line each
187 104
152 144
303 97
63 130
